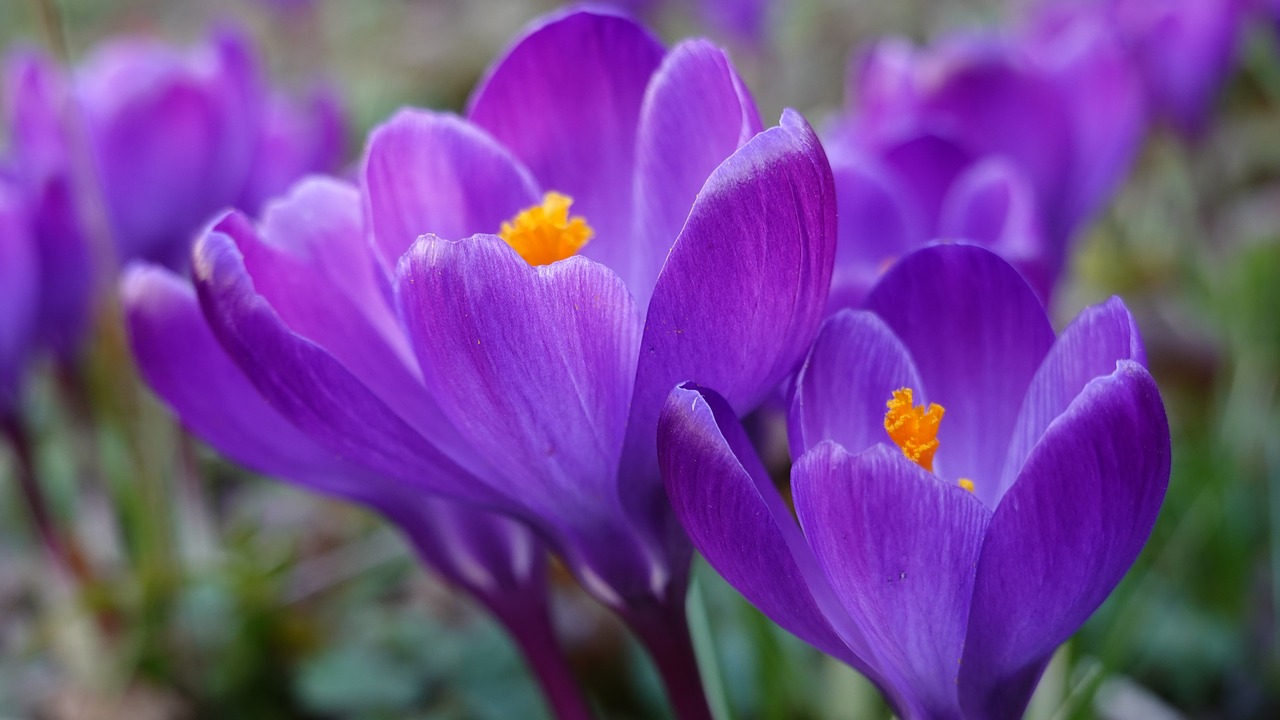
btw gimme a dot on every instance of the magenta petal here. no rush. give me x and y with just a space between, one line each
1064 535
434 173
742 293
696 113
534 366
977 335
900 548
305 384
1090 347
735 517
852 370
566 100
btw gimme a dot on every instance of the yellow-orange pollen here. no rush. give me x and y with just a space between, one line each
545 233
912 428
966 483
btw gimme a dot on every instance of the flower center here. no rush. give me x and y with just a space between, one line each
913 428
545 233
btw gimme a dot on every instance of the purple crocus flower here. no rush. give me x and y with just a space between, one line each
40 159
168 138
172 135
992 140
494 559
512 371
945 554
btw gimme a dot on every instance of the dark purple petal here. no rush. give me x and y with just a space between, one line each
434 173
852 370
1064 535
743 20
882 88
696 113
742 293
1090 347
993 204
19 293
65 266
900 548
735 517
308 386
878 221
977 334
534 365
566 100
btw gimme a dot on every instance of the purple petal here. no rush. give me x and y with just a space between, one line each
878 222
852 370
994 205
1090 347
977 334
566 100
1066 532
735 517
19 294
35 107
696 113
534 366
433 173
742 293
900 548
65 268
312 265
183 363
308 386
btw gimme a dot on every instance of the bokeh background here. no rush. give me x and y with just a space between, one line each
219 594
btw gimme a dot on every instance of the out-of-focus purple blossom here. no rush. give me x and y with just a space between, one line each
1185 50
40 157
165 138
495 559
19 292
945 554
535 390
745 21
989 139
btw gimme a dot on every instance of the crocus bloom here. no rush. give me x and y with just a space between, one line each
993 140
171 137
42 172
968 488
495 559
535 389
